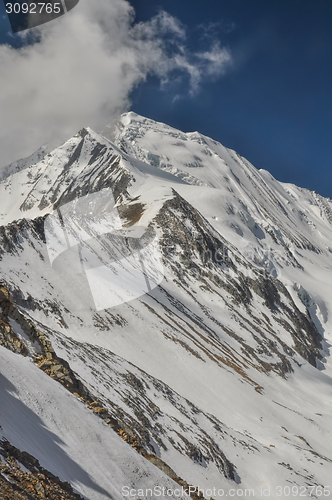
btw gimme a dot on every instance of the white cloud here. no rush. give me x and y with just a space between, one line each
81 69
214 61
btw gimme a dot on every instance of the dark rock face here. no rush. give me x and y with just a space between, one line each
205 255
33 483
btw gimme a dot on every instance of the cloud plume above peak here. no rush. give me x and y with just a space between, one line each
80 70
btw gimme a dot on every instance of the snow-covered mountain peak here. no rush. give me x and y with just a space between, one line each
45 180
86 163
255 195
219 375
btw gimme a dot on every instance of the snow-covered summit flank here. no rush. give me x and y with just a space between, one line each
220 376
259 200
86 163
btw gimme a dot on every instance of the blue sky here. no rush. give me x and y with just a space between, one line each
272 104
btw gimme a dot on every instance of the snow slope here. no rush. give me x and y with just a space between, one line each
45 420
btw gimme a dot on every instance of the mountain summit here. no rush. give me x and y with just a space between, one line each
212 366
